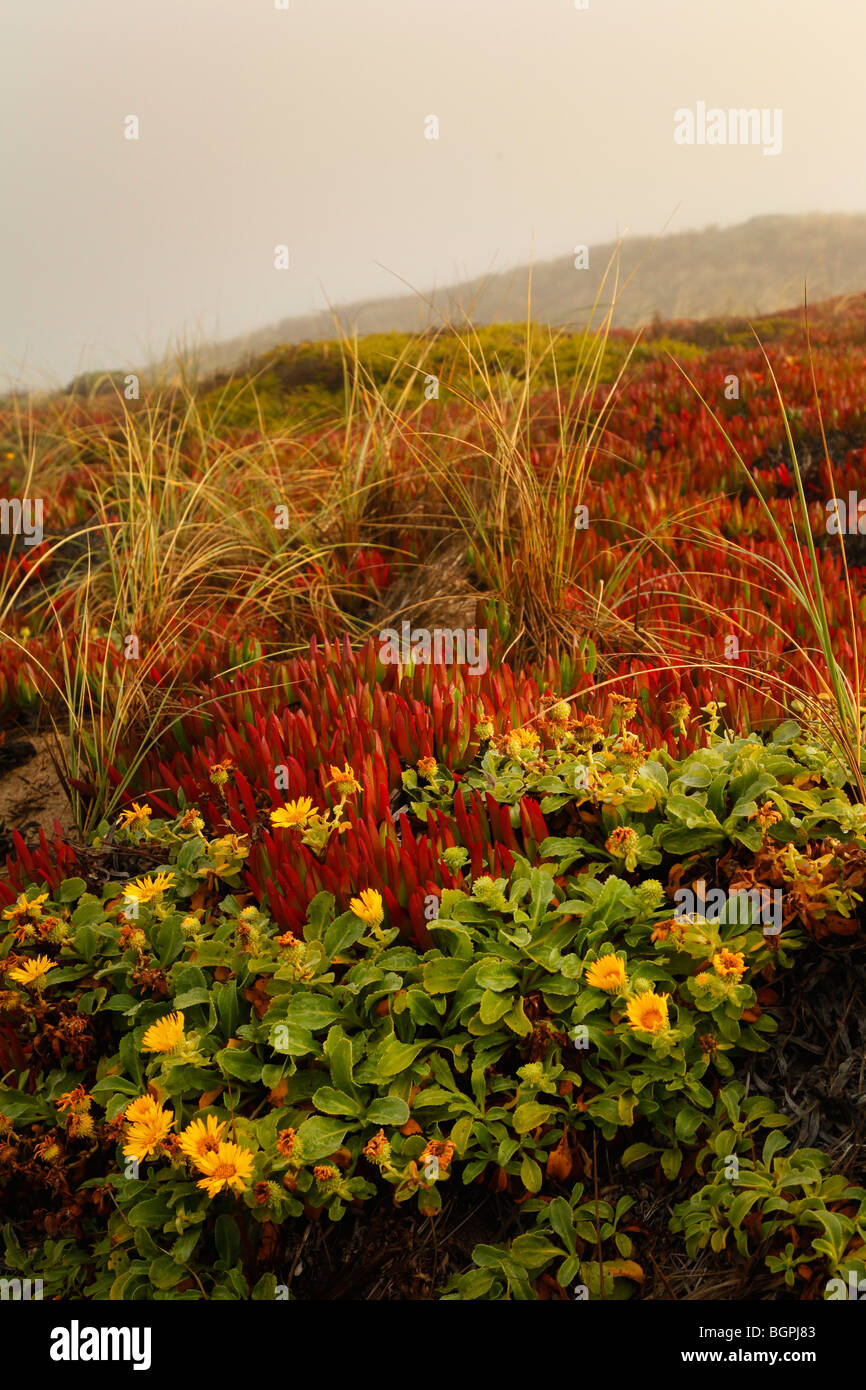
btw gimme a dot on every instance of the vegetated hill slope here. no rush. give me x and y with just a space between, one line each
757 267
307 380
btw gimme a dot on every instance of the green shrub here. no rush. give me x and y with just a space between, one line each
185 1078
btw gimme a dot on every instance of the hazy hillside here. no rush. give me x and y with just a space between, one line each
756 267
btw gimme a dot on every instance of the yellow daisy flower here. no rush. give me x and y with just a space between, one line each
231 846
608 972
293 813
25 907
143 890
228 1166
165 1035
141 1109
200 1138
133 815
519 741
344 781
368 907
33 972
648 1012
145 1136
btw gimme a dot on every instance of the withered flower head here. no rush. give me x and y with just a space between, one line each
80 1126
77 1100
626 705
48 1150
620 840
440 1149
377 1149
219 772
766 815
587 730
286 1142
729 964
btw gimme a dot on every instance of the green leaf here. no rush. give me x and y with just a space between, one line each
85 942
671 1162
389 1110
333 1102
634 1152
559 1214
227 1238
533 1251
394 1057
688 1122
475 1284
772 1144
318 1137
181 1251
239 1062
120 1003
496 975
129 1056
516 1019
70 890
164 1273
338 1050
529 1115
152 1212
490 1256
225 997
741 1206
168 940
297 1042
494 1006
88 915
265 1290
566 849
112 1085
91 1000
342 934
442 976
691 812
312 1011
320 911
191 997
530 1175
461 1133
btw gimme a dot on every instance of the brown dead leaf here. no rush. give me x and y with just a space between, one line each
559 1160
626 1269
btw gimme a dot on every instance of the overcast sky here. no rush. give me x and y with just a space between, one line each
306 127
